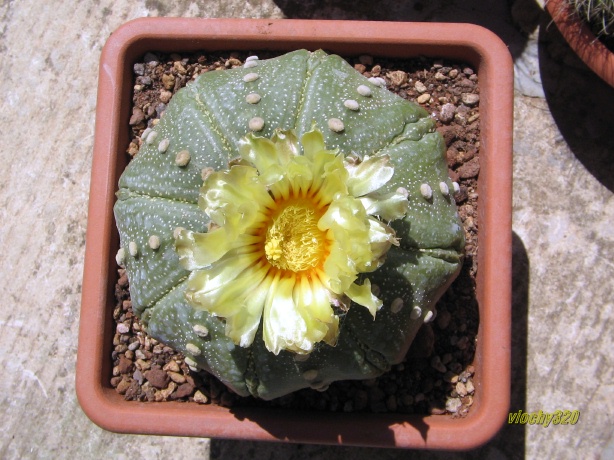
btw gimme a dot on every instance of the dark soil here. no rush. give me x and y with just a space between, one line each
436 376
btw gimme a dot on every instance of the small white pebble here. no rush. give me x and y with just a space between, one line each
256 124
444 189
193 349
251 77
120 257
133 249
364 90
154 242
151 137
336 125
177 232
122 328
415 313
430 316
163 145
251 58
182 158
396 305
351 104
310 374
423 98
456 187
426 191
250 64
403 191
253 98
200 330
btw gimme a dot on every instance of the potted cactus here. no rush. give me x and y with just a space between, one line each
286 225
582 23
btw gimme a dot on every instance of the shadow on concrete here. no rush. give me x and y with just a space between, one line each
581 104
494 15
509 442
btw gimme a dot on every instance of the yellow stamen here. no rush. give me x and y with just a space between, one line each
293 240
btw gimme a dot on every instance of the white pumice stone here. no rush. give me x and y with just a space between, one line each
133 249
364 90
415 313
182 158
206 172
251 58
154 242
193 349
151 137
145 134
250 77
120 257
351 104
456 187
253 98
163 145
378 81
250 64
430 316
200 330
190 362
256 124
336 125
444 189
396 305
311 374
426 191
403 191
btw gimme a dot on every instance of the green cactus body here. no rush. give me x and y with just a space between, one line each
159 192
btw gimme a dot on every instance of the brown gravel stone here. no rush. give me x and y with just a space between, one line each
157 377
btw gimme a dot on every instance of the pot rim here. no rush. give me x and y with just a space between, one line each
465 42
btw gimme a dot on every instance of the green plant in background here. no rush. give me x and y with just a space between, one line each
598 13
288 224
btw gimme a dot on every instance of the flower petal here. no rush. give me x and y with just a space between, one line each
313 142
370 175
242 326
362 295
389 206
198 250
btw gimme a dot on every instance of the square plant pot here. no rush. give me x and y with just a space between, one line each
462 42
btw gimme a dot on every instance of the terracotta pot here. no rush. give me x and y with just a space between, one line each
462 42
580 38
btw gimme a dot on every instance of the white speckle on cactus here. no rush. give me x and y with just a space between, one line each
336 125
253 98
403 191
200 330
396 305
311 374
250 64
182 158
444 189
151 137
364 90
193 349
256 124
456 187
351 104
133 249
415 313
163 145
120 257
430 316
251 77
177 232
251 58
154 242
426 191
206 172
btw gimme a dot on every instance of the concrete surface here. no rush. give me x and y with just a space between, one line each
563 224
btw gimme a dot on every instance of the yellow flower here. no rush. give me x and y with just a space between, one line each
292 227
